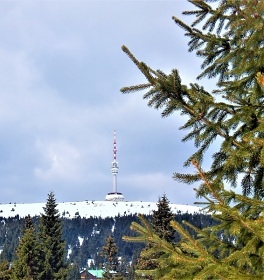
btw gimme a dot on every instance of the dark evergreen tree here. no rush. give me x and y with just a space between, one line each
51 242
5 271
111 264
147 263
11 234
74 273
28 263
162 218
229 39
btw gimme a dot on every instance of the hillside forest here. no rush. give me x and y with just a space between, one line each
85 238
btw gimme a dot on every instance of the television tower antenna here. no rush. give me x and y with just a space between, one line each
115 167
114 196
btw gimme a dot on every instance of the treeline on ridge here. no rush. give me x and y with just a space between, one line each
85 237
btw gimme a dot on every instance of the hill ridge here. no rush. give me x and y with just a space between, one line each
92 208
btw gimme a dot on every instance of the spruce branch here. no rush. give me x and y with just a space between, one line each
207 183
231 46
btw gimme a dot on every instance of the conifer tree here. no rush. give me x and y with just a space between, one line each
11 241
74 273
229 38
111 263
51 242
147 262
28 263
5 271
162 218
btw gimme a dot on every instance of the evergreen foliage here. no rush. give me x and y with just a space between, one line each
10 231
74 273
234 53
111 263
229 38
5 271
232 249
161 218
51 242
28 263
85 236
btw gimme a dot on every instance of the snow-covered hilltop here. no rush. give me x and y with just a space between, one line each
86 209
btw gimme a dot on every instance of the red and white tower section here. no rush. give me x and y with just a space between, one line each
114 196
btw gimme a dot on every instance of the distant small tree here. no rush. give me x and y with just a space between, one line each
74 273
162 217
111 263
11 240
28 263
5 271
51 242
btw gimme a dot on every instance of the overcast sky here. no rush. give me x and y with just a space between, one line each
61 70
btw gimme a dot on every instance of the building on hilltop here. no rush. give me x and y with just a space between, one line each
114 195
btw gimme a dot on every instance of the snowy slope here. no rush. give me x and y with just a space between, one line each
86 209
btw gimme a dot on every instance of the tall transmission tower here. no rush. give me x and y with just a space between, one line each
114 196
115 167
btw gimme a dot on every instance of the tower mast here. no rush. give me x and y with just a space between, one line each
114 196
115 167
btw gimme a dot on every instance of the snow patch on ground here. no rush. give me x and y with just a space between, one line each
87 209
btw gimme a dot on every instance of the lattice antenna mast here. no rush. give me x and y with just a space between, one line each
115 167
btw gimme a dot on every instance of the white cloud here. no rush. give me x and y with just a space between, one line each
61 161
147 181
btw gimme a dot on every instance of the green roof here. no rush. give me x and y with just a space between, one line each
96 272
